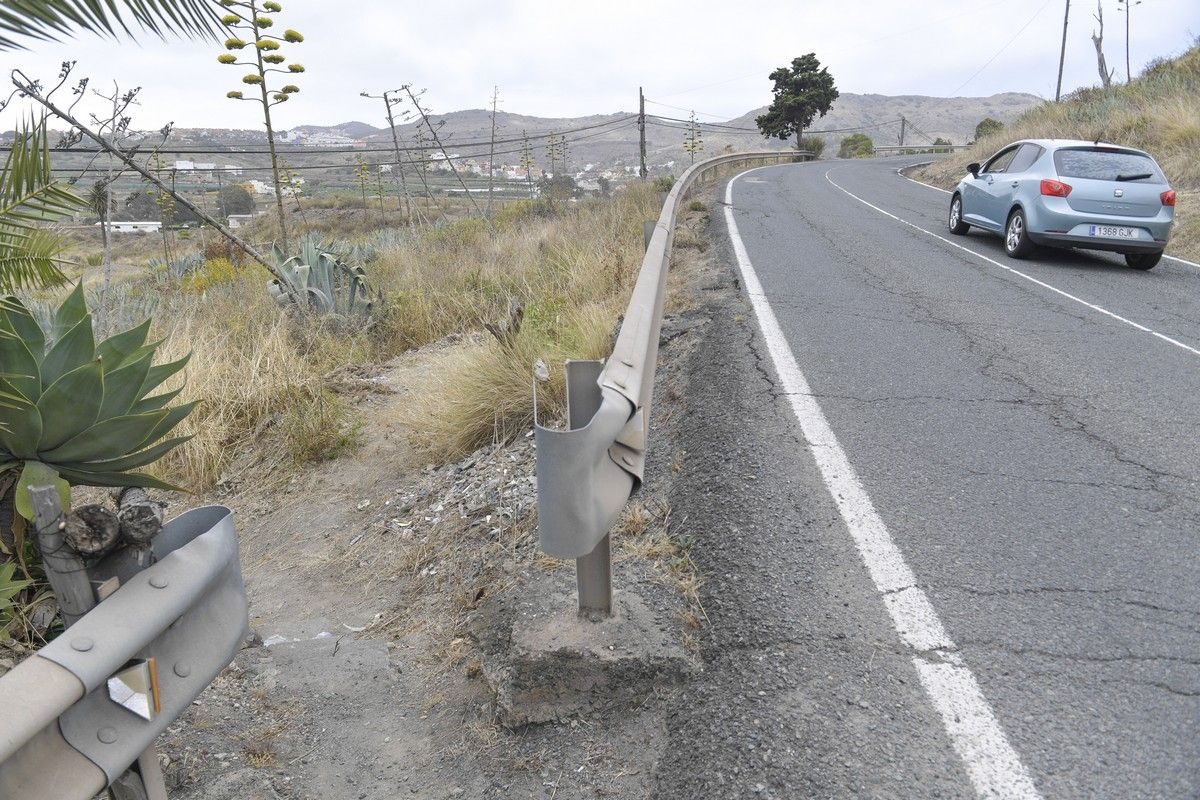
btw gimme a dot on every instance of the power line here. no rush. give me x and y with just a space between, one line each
343 150
68 171
996 55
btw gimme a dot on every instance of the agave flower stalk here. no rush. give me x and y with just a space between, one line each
248 20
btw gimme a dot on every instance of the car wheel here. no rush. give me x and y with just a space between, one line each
1016 236
1143 261
957 226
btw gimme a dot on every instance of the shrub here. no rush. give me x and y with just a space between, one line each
214 272
988 127
813 144
856 145
664 183
696 205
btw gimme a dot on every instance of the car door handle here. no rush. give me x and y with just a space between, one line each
1015 184
991 180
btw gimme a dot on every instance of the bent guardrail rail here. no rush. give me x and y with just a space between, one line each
178 623
586 473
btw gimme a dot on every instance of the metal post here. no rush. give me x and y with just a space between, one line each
593 572
642 130
1062 55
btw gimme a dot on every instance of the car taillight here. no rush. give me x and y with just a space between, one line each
1053 188
1168 197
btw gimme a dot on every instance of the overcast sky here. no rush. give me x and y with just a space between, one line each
567 58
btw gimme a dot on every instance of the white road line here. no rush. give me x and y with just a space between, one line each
1017 272
946 191
920 183
993 766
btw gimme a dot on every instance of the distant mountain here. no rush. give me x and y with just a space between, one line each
952 118
611 139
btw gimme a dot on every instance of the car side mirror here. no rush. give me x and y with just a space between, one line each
973 168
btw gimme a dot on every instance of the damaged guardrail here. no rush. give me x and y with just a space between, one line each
86 707
586 473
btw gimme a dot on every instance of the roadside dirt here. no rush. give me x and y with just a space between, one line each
368 577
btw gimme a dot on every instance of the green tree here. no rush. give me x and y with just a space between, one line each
802 92
988 127
234 199
856 145
247 17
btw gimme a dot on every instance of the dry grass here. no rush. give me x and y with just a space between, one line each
1158 112
572 273
261 375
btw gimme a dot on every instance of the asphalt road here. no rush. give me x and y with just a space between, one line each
1030 442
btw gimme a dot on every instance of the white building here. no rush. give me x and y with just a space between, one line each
143 226
184 166
240 220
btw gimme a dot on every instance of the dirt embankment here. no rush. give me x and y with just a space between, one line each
367 576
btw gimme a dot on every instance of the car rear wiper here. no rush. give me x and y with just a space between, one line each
1137 177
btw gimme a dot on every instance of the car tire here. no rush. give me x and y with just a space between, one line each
956 224
1143 261
1016 236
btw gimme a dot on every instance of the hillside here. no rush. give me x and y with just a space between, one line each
1158 112
612 138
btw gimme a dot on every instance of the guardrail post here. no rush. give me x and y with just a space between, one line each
593 572
69 579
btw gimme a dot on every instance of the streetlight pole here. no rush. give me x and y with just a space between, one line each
1128 6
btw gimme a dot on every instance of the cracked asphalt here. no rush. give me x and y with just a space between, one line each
1035 460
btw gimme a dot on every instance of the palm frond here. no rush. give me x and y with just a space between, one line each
28 191
53 20
29 254
30 261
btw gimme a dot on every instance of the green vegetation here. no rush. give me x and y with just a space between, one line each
813 144
988 127
1159 111
802 92
856 145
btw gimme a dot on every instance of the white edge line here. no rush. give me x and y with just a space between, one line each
992 764
1017 272
1192 264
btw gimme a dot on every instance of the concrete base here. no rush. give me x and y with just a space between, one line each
544 663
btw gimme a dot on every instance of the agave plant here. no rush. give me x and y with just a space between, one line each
74 412
322 280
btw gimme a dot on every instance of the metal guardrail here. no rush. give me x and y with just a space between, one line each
921 148
66 733
586 473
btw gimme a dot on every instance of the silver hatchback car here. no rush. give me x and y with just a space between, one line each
1064 193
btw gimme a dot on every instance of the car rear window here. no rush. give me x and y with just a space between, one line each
1106 164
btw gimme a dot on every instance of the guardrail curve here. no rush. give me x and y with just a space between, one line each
587 473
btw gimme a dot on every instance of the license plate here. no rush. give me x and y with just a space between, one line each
1113 232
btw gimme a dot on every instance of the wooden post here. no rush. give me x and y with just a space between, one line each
64 568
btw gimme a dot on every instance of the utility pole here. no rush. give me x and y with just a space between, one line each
1062 55
387 102
642 130
492 149
903 126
